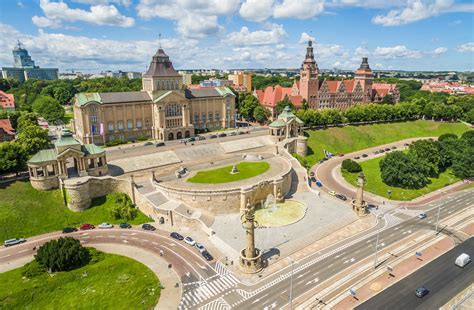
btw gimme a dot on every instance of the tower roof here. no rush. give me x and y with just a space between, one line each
309 53
161 66
365 64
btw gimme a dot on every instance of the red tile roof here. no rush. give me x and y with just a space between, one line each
7 101
384 86
274 94
349 84
7 126
333 86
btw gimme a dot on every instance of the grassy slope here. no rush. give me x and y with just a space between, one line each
375 185
114 282
26 212
353 138
223 175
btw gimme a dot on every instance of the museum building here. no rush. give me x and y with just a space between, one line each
163 110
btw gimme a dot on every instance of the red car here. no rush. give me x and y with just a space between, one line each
87 226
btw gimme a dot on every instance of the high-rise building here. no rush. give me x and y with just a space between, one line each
309 83
24 67
240 78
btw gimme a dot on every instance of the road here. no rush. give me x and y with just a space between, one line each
444 280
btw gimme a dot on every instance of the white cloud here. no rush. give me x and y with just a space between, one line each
198 26
440 50
256 10
304 38
414 11
466 47
57 12
274 35
399 51
301 9
122 2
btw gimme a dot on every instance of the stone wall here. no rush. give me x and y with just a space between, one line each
44 184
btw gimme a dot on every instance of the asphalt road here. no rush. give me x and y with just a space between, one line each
444 280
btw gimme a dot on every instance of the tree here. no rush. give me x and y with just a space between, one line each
32 138
12 157
447 136
463 163
248 105
469 116
426 151
49 108
388 99
283 104
123 209
260 114
26 119
351 166
401 170
304 104
62 254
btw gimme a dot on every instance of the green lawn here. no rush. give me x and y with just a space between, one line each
223 175
375 185
353 138
112 282
26 212
67 117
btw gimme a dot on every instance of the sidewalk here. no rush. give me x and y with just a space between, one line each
400 271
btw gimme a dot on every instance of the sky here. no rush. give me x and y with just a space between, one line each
98 35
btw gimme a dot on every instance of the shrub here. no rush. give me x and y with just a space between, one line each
124 208
32 269
62 254
401 170
447 136
301 159
351 166
115 142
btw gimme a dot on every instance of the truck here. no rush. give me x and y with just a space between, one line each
462 260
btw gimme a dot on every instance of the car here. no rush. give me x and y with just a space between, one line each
422 216
222 135
382 151
148 227
421 291
207 255
68 230
86 226
190 241
241 133
319 184
394 147
332 193
376 152
357 157
15 241
341 155
192 139
176 236
320 162
200 247
233 133
342 197
212 136
125 225
311 174
105 226
325 158
371 206
160 144
406 144
387 149
198 137
147 143
462 260
313 179
183 141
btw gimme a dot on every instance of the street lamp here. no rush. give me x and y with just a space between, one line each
377 243
291 286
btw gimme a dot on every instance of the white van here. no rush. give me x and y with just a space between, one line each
462 260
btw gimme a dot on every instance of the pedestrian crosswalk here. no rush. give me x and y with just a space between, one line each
209 289
221 269
391 220
218 304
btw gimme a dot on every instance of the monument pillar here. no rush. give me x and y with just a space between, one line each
358 204
250 256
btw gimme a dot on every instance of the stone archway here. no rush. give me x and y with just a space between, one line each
186 134
170 136
179 135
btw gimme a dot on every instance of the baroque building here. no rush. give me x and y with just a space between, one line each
321 94
163 110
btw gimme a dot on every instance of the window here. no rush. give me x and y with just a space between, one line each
110 126
147 123
129 124
211 117
196 118
94 119
217 116
139 123
203 117
120 125
173 109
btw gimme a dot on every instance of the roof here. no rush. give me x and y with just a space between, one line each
6 125
161 65
84 98
43 156
7 101
112 97
274 94
93 149
389 86
278 123
207 92
66 139
333 86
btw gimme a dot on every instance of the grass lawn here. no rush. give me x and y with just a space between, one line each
353 138
375 185
26 212
112 282
67 117
223 175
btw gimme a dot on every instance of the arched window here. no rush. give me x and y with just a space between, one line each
173 109
120 125
129 124
110 126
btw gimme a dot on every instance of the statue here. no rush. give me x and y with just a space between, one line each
358 204
234 170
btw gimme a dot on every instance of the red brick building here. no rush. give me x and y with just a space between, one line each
7 133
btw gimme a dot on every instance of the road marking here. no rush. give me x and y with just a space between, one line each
23 251
124 241
302 275
312 281
4 256
260 298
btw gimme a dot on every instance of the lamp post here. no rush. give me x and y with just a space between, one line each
377 245
291 286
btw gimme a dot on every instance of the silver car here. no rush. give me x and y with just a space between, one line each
15 241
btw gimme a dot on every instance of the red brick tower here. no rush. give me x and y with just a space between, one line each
309 83
365 76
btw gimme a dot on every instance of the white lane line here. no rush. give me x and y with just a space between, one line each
23 251
4 256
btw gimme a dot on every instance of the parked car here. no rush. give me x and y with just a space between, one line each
387 149
394 147
68 230
233 133
406 144
125 225
176 236
222 135
200 247
376 152
160 144
313 179
311 174
86 227
421 291
382 151
192 139
320 162
15 241
207 255
183 141
106 225
198 137
342 197
462 260
212 136
365 155
422 216
357 157
241 133
372 206
332 193
341 155
190 241
148 227
319 184
147 143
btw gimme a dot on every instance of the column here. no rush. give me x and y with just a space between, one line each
95 160
55 169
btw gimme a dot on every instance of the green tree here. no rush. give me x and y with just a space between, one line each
304 104
26 119
124 208
32 138
283 104
351 166
401 170
248 106
469 116
260 114
12 157
62 254
49 108
426 151
463 163
447 136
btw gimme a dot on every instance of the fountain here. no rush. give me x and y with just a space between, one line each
270 202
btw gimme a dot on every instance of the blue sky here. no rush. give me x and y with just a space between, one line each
201 34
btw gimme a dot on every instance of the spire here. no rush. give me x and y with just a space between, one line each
309 52
365 64
159 40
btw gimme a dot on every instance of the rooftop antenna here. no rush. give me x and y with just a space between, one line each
19 43
159 40
365 51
